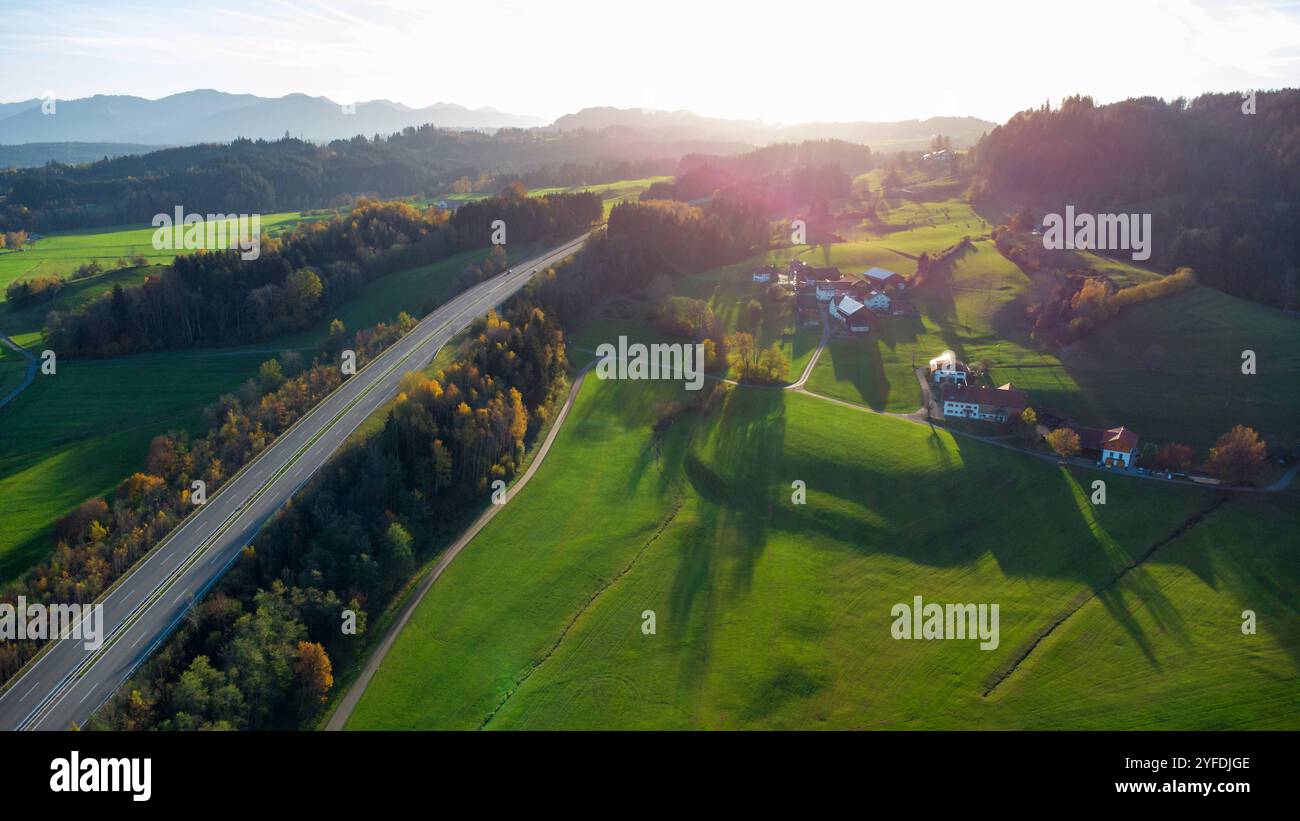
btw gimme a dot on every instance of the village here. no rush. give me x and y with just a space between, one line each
951 389
853 304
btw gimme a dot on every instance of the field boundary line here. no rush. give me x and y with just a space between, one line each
678 503
999 676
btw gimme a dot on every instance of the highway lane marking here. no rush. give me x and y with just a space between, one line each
87 695
137 640
29 692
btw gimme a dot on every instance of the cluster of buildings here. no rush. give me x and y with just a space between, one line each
852 302
960 398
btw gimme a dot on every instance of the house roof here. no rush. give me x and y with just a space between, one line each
979 395
1119 439
881 274
821 273
849 306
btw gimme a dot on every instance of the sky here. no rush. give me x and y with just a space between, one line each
779 62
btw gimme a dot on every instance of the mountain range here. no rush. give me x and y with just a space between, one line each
214 116
91 128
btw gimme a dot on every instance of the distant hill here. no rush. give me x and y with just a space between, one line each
215 116
34 155
683 125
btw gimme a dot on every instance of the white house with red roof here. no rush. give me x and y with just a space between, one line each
1117 447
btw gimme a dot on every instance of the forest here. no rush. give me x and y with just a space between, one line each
1222 184
259 176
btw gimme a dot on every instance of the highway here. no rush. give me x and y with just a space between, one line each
68 683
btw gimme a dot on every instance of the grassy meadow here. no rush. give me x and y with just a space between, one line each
60 253
776 615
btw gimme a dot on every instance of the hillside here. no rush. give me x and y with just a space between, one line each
774 615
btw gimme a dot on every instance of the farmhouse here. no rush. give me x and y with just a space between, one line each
986 404
1115 447
765 273
946 367
881 277
878 301
828 289
851 314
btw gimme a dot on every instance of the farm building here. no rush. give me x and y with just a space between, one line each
828 289
878 301
946 367
987 404
1114 447
806 271
880 277
851 314
764 274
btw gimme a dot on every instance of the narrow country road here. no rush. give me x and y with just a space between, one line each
31 369
812 361
349 702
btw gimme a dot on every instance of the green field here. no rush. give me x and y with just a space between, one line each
61 252
773 615
82 431
611 192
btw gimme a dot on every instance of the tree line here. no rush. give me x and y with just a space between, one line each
1239 457
269 176
217 298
